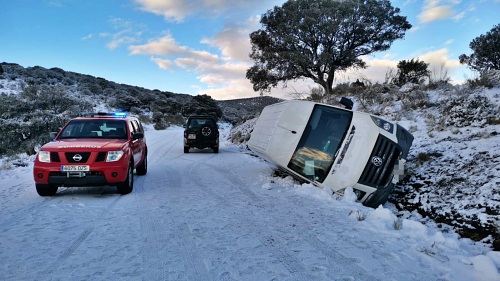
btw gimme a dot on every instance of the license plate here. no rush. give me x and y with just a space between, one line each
75 168
192 136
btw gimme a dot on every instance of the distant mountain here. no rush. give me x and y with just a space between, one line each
239 110
36 100
16 79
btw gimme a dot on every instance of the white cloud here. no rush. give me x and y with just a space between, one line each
375 72
126 33
233 42
438 60
165 46
233 89
175 10
221 74
434 10
162 63
169 9
436 13
118 40
88 37
449 42
439 57
459 16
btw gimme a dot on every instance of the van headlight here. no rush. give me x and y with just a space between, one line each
114 156
44 156
389 127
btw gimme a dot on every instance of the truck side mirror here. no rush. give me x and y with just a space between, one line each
136 136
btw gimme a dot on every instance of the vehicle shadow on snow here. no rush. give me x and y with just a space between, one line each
90 191
204 150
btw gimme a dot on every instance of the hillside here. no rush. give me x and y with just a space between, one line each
36 100
453 170
453 177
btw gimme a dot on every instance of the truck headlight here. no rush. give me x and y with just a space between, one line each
389 127
114 156
44 156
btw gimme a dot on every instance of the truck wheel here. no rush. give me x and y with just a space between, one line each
127 186
215 149
142 169
186 149
46 189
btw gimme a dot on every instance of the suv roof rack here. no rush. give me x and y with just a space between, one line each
202 116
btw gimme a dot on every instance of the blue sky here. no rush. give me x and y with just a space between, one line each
201 46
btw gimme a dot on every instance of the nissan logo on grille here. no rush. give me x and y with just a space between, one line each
377 161
77 157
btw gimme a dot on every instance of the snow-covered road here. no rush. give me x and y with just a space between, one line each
206 216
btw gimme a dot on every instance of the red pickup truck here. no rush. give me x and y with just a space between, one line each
93 150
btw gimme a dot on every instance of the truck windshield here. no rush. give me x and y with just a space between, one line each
322 138
96 129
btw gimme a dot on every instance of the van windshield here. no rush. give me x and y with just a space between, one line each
322 138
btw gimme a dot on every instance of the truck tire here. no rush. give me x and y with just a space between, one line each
128 185
142 169
46 189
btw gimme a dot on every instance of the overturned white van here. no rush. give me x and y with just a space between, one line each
333 147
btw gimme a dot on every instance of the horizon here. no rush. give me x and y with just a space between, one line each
202 47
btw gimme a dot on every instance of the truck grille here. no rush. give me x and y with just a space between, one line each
101 157
379 176
85 157
54 157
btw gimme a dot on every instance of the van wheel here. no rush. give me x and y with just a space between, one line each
186 149
215 149
127 186
46 189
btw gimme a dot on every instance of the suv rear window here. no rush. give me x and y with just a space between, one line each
200 122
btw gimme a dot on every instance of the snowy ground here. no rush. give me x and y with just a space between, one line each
205 216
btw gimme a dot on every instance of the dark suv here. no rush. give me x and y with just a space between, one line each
201 131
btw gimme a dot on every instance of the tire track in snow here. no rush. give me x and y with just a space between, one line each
276 247
157 152
159 263
343 265
78 241
164 232
30 210
152 264
202 185
193 263
236 182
